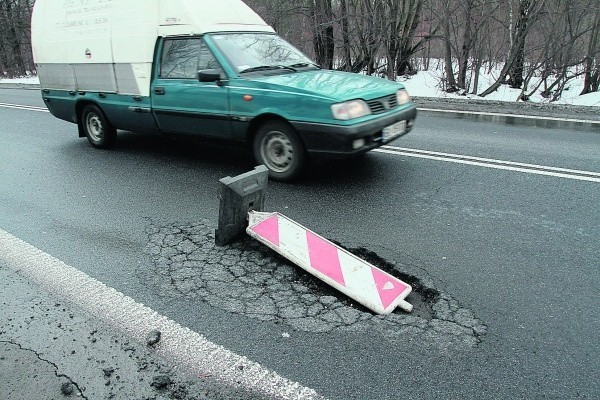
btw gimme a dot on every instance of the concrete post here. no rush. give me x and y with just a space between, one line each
238 196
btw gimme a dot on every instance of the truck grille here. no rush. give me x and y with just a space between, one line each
383 104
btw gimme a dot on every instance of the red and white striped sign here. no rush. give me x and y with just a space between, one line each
363 282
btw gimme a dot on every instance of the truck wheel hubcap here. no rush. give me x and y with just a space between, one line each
94 126
277 151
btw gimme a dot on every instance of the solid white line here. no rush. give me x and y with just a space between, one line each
583 121
21 107
186 348
491 160
486 165
461 159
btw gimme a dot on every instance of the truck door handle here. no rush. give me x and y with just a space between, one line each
159 90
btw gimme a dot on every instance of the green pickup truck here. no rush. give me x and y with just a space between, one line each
205 70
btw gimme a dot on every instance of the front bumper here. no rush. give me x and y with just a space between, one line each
336 141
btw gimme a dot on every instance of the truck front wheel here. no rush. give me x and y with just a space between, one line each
97 128
278 147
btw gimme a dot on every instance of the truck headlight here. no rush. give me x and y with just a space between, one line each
402 97
350 109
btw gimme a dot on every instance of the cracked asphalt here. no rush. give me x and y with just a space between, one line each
38 377
51 350
248 278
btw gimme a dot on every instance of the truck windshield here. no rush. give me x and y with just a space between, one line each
260 52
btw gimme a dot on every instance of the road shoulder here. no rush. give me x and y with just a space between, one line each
50 349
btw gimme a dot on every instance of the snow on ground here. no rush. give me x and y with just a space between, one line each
429 84
32 80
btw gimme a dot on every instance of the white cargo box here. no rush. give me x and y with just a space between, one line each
108 45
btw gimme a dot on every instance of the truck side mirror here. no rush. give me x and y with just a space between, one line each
209 75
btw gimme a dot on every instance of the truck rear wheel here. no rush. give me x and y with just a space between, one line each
97 128
278 147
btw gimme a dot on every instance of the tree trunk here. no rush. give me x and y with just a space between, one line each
2 67
591 80
507 65
513 66
323 41
467 45
347 65
407 46
450 81
515 72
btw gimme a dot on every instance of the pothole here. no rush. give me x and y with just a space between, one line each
250 279
422 297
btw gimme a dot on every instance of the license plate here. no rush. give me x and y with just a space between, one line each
393 131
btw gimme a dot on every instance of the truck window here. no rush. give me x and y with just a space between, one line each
182 58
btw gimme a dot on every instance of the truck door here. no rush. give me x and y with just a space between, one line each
180 102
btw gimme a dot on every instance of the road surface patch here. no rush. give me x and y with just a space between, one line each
249 279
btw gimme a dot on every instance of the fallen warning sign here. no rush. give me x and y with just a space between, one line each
356 278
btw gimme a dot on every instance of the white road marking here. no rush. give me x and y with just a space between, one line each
490 114
22 107
492 163
184 347
463 159
582 121
491 160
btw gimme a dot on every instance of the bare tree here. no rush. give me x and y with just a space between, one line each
461 22
513 66
321 12
448 11
400 19
11 41
15 43
483 17
515 70
345 31
365 35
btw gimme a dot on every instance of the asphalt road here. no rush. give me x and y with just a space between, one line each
511 256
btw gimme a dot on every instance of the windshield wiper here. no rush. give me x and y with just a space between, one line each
304 65
267 68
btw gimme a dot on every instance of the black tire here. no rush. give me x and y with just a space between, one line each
97 128
278 146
